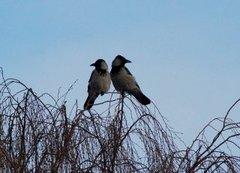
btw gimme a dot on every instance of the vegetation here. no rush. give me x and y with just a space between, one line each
39 133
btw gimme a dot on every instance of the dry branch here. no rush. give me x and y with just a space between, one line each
39 134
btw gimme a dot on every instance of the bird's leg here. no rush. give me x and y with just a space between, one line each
121 101
122 97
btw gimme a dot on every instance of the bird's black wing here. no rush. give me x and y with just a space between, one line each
128 72
90 80
91 76
89 88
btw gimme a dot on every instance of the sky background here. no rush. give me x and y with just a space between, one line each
185 54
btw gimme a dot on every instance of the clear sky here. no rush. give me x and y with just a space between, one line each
185 54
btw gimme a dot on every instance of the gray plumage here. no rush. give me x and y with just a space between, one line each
98 84
124 81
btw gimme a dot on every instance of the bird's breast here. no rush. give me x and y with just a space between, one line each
101 82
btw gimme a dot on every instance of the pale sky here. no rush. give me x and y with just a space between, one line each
185 54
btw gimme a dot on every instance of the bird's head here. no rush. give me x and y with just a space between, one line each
100 64
120 61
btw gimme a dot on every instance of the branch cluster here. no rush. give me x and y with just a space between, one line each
36 136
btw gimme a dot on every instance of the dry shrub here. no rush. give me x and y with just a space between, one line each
39 134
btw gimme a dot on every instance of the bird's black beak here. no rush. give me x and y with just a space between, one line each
93 64
128 61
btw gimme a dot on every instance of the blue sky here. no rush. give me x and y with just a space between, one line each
185 54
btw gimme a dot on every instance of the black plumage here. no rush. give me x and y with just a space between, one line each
124 81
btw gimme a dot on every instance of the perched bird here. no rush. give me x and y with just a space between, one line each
98 84
124 81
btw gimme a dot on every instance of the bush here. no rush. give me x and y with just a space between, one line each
39 134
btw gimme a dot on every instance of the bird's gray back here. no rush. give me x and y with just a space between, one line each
123 80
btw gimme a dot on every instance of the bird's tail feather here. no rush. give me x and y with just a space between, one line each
140 97
90 101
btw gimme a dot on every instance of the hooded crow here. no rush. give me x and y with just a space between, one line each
124 81
98 84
